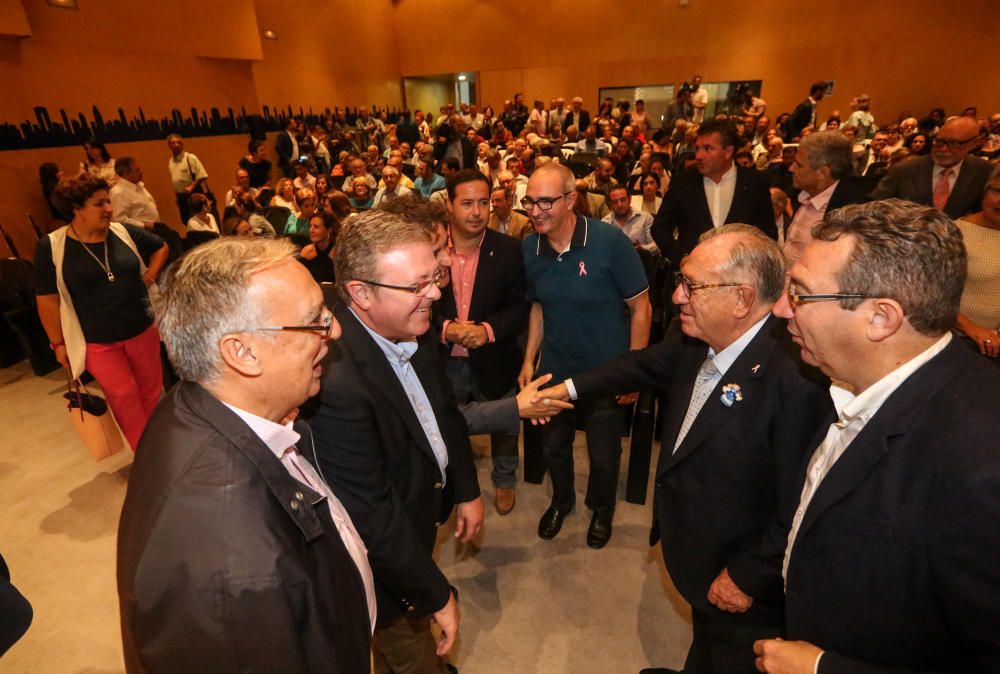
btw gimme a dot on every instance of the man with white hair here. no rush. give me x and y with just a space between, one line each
233 552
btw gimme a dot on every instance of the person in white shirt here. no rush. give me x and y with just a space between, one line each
131 202
699 100
242 183
891 558
635 224
202 219
391 189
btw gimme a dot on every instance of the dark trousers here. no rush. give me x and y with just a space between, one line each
603 420
503 447
723 643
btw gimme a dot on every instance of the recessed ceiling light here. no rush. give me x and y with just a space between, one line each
65 4
270 35
461 78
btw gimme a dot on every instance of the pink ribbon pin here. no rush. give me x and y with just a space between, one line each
583 268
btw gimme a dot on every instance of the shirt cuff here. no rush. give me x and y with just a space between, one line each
570 388
444 331
818 658
489 332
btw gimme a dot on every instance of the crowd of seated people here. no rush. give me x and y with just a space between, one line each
664 183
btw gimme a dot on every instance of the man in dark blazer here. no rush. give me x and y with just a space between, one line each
481 315
740 413
233 553
713 193
892 560
286 146
804 114
390 438
949 178
577 116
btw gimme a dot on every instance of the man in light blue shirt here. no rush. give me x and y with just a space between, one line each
427 182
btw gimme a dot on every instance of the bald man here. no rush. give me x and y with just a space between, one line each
948 178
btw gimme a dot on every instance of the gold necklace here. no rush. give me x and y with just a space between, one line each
106 265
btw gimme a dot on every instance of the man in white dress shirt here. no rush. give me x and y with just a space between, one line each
892 556
131 202
635 224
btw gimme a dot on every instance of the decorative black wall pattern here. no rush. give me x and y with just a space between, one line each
66 131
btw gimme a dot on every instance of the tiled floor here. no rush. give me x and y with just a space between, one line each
528 605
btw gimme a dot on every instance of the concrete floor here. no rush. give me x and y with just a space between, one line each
528 606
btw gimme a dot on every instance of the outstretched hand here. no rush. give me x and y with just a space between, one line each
536 405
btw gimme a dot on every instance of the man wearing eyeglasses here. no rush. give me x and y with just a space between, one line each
949 178
390 438
740 413
590 302
234 555
892 560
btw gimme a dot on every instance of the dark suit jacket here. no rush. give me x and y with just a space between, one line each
685 209
468 152
226 563
497 299
581 121
912 180
798 120
376 457
896 565
718 498
283 148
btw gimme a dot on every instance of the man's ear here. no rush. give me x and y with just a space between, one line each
746 298
360 294
238 354
885 320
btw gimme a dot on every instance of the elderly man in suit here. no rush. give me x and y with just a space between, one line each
481 315
741 412
821 171
949 178
892 559
577 116
390 438
713 193
233 553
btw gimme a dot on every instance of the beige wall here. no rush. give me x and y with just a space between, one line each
905 54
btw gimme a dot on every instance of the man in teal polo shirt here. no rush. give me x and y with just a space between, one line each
589 302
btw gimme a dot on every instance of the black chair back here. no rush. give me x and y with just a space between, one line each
196 238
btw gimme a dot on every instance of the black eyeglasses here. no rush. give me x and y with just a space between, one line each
796 300
952 144
322 328
687 287
543 203
419 288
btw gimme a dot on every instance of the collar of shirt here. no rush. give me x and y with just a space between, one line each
863 406
277 437
725 358
395 352
479 244
579 239
727 177
954 170
612 219
821 200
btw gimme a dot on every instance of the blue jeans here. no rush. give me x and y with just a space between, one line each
502 446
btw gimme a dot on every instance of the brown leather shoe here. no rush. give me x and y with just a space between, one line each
504 500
